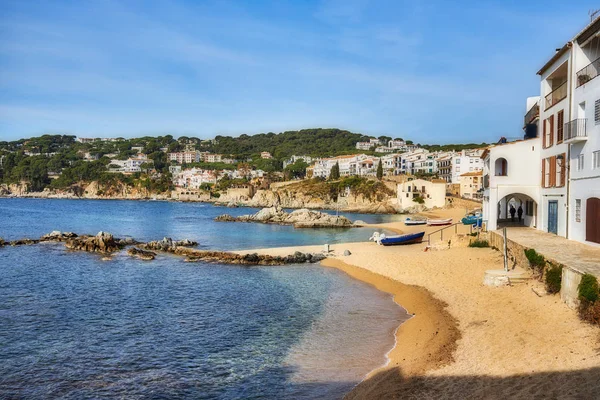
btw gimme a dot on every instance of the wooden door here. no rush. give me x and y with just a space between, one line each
592 220
553 216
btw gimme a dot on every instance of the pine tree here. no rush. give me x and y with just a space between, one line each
379 171
335 172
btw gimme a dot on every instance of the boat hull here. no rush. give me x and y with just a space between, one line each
439 222
415 222
403 239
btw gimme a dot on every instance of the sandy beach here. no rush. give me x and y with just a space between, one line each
467 340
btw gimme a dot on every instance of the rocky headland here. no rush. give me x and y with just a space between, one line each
302 218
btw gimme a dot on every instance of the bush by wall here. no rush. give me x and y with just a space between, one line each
554 279
590 311
535 260
479 243
588 288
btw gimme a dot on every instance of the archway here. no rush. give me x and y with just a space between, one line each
521 204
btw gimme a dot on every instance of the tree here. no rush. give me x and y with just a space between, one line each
379 170
335 172
297 169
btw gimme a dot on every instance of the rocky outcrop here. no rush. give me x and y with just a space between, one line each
103 242
141 254
302 218
194 255
168 244
57 236
25 241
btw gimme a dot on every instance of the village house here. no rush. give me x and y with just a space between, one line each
471 185
212 158
185 157
266 155
193 178
368 145
420 191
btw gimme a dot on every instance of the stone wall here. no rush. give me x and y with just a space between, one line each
516 252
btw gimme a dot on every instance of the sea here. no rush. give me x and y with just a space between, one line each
76 326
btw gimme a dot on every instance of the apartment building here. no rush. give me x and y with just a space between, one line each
569 133
193 178
367 145
185 157
212 158
359 164
471 185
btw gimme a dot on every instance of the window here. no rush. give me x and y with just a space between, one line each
548 132
596 159
547 172
560 170
577 210
597 112
501 167
559 126
580 162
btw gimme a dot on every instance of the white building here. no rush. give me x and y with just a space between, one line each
367 145
396 144
193 178
465 161
359 164
266 155
511 176
212 158
293 159
131 165
432 193
570 176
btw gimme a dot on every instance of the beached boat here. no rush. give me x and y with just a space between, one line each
409 221
402 239
472 219
439 222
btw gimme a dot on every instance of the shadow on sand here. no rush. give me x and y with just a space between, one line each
390 384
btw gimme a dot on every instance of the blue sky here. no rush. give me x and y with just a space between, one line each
430 71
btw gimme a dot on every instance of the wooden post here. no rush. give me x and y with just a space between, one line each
505 250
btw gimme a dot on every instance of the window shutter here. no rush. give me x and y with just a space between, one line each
544 133
563 169
552 171
597 112
560 126
544 173
551 133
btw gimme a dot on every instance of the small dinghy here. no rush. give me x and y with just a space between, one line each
402 239
472 220
409 221
439 222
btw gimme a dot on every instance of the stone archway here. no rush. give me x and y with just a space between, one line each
527 205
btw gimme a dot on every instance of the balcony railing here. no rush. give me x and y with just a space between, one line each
575 130
588 73
556 95
532 114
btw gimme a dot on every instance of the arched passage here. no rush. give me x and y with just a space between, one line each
521 204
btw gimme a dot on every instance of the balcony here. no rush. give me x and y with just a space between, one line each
575 131
557 95
588 73
532 114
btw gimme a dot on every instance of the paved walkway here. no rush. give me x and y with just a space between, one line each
579 256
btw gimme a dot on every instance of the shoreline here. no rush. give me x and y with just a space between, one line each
428 337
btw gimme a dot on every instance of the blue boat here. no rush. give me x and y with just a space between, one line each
472 220
403 239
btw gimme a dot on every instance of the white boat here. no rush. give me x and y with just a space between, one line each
439 222
409 221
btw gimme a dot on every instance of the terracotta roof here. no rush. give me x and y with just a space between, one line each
474 173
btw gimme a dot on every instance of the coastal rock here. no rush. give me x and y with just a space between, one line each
141 254
128 241
168 244
303 218
25 241
194 255
103 242
57 236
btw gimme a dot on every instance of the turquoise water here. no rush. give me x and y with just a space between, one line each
77 327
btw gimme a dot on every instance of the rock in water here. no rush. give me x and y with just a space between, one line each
57 236
302 218
103 242
141 254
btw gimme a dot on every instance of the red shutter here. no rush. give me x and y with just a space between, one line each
552 171
551 131
544 171
544 122
563 169
560 126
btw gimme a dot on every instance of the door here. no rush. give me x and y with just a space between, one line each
553 216
592 220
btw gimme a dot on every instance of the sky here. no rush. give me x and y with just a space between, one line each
429 71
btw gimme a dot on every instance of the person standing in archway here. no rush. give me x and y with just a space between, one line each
512 213
520 213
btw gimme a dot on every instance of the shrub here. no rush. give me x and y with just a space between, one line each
535 259
419 200
589 311
588 288
479 243
554 279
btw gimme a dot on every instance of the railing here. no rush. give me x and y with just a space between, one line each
441 231
556 95
588 72
532 114
576 128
